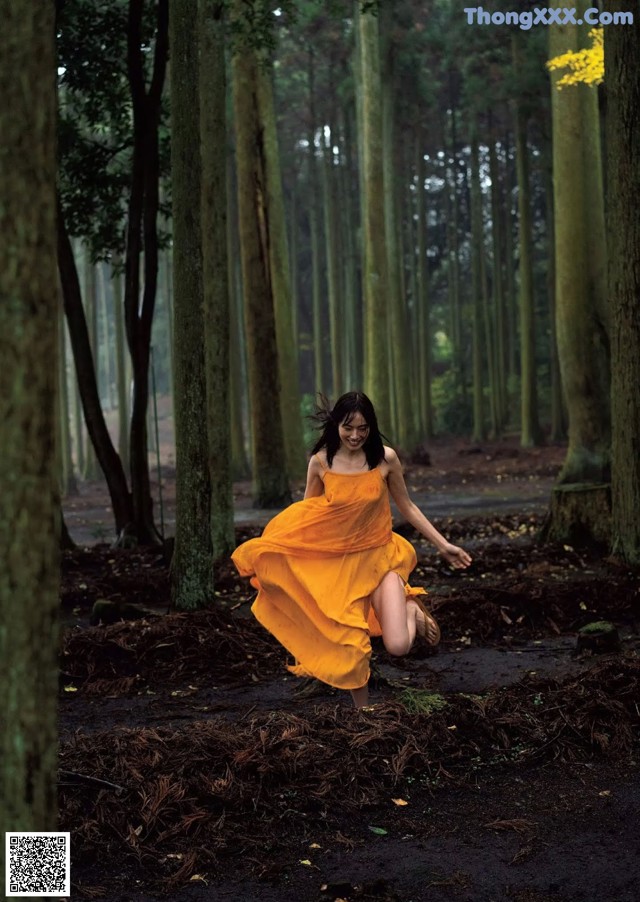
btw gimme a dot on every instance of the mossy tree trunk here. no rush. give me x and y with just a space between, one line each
215 270
374 268
29 494
558 422
192 565
239 461
274 235
581 316
622 64
579 260
269 463
400 355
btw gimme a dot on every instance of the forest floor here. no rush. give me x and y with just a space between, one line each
500 766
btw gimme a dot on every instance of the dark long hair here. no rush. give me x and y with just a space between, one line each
328 419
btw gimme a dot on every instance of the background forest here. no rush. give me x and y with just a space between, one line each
390 198
214 210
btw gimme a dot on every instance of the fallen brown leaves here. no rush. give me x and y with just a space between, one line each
119 659
234 788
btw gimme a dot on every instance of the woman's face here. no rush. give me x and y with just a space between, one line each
354 433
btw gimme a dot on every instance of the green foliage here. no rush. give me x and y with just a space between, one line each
421 701
95 119
453 413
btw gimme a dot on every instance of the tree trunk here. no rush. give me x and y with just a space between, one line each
334 266
142 234
558 426
192 564
374 269
106 335
498 283
622 65
215 270
352 298
29 494
271 487
580 513
314 238
477 250
239 401
422 296
400 359
274 236
121 369
78 333
69 482
91 469
530 432
581 325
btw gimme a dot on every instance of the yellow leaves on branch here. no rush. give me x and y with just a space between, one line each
585 67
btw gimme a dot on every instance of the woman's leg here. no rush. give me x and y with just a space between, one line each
396 615
360 696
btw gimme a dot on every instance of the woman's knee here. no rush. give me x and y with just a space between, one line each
396 645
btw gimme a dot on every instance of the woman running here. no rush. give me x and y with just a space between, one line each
329 571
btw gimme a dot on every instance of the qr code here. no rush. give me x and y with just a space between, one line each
38 864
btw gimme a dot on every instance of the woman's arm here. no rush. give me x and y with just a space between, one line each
315 485
454 555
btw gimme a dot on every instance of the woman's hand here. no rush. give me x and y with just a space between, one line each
456 557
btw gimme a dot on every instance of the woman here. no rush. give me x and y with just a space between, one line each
329 571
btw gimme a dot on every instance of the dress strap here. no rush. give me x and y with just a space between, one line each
319 459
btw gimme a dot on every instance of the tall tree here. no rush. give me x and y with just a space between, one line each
622 67
580 301
274 235
142 233
29 494
530 432
578 502
215 270
269 464
477 251
192 565
374 268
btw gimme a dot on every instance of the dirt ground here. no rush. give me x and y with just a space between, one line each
501 766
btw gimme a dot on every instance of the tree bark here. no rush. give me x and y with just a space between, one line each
275 237
477 250
271 487
215 270
192 564
622 67
580 240
374 269
29 492
142 233
530 432
78 333
581 316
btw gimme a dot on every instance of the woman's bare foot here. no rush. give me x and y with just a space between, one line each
426 626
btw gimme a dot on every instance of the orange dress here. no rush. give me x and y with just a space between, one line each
315 567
